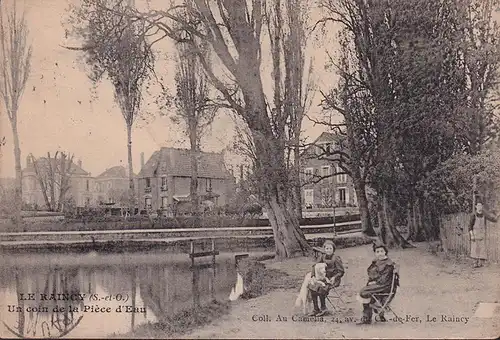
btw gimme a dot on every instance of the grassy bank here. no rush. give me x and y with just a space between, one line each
180 323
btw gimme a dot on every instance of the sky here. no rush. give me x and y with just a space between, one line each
60 110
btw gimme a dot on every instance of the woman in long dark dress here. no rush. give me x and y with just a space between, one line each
478 234
380 274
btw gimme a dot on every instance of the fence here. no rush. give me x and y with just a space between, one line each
455 236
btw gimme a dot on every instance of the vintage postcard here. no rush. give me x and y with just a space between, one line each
256 169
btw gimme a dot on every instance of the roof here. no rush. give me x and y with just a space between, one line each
118 171
325 137
177 162
75 169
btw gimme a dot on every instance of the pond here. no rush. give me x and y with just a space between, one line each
96 295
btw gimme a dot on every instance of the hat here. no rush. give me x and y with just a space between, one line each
378 244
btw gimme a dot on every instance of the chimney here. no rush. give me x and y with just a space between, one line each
142 160
80 163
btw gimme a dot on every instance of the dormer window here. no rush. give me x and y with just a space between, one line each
164 186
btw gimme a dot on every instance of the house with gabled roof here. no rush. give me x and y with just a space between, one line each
112 185
323 182
165 179
81 184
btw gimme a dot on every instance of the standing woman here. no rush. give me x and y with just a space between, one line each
478 235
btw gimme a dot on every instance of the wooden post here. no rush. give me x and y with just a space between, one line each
196 293
192 254
196 271
334 224
212 280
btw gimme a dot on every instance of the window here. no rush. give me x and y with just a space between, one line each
326 199
208 184
148 182
88 185
164 183
342 196
110 185
87 200
325 171
308 174
164 202
308 198
341 177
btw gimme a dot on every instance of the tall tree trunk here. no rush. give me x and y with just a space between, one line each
387 219
288 237
276 193
297 184
381 230
364 212
193 188
410 221
130 170
393 236
420 234
19 176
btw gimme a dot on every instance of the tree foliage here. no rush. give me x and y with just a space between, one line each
117 48
415 92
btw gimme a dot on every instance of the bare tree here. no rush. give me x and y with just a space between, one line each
291 78
234 31
54 175
15 64
116 47
194 109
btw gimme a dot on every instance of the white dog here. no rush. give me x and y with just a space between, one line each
304 298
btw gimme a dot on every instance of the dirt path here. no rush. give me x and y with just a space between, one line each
430 287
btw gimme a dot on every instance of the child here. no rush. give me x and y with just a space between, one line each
334 266
380 274
334 270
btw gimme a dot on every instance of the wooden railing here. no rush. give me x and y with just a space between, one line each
455 236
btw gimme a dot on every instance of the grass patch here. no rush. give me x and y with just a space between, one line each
179 323
259 280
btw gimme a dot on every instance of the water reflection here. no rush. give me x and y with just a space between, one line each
83 296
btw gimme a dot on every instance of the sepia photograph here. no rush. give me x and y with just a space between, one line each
250 169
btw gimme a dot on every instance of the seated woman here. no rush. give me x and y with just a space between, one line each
380 274
334 270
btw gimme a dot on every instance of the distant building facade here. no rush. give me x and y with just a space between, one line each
81 184
320 193
164 180
112 185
